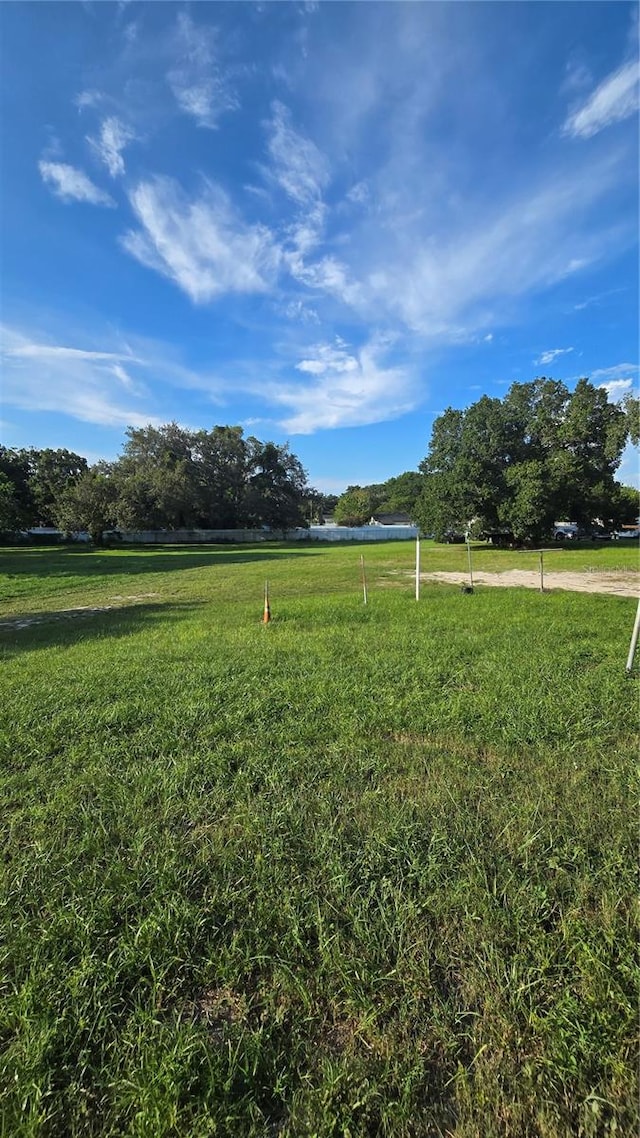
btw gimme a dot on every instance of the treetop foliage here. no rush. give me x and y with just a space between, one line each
514 465
166 478
541 454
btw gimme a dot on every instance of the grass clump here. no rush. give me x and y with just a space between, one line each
362 871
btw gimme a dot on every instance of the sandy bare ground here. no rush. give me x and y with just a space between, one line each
71 614
622 583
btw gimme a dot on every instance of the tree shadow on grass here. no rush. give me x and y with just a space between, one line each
63 628
67 561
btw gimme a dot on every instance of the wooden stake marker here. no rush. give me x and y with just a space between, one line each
266 616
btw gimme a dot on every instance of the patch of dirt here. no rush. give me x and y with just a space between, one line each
621 583
220 1010
62 614
71 614
133 596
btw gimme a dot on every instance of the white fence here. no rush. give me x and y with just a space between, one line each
235 536
358 533
314 533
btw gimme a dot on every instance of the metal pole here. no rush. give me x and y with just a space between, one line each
470 566
364 578
634 639
541 571
417 568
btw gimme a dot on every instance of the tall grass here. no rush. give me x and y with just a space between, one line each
361 871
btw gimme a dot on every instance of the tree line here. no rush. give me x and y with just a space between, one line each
166 478
515 465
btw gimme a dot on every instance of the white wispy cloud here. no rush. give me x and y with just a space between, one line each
299 311
196 79
616 371
328 275
551 355
297 165
596 299
450 283
201 244
348 388
358 194
451 280
113 138
615 99
617 388
86 384
115 384
27 349
326 358
88 98
301 171
72 185
618 380
577 76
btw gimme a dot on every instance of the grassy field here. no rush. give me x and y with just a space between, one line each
360 871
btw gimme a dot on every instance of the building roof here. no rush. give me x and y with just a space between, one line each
393 519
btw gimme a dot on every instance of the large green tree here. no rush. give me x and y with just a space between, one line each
89 504
400 494
222 456
51 472
37 478
17 505
276 487
354 507
540 454
157 478
626 506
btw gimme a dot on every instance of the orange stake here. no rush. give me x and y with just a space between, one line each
266 616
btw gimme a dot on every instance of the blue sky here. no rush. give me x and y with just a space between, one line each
325 222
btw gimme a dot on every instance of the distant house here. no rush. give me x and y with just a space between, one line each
397 519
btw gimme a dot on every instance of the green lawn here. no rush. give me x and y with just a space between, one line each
362 871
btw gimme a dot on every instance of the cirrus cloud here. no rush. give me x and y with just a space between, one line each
72 185
348 388
614 100
201 244
200 88
114 136
91 385
552 354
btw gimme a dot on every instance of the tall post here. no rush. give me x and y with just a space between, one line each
542 571
364 578
634 640
417 568
470 565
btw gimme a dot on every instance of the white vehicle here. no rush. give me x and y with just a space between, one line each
628 533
